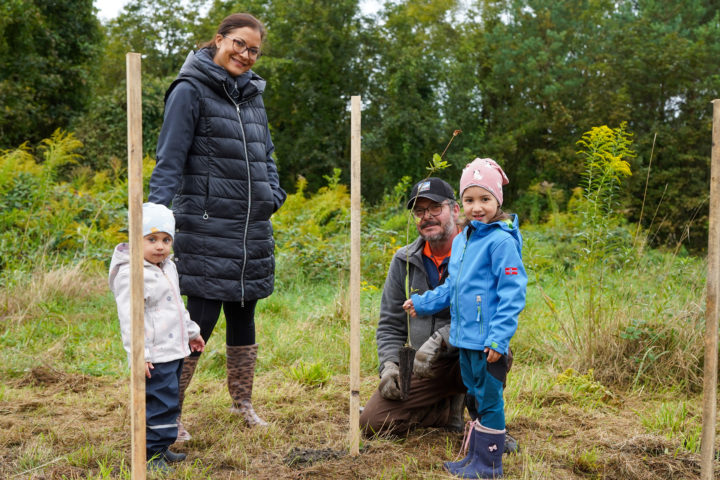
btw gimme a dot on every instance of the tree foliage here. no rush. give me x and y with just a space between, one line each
48 51
523 79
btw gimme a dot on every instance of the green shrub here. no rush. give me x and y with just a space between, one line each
56 211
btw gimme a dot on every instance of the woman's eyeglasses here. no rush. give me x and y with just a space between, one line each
241 47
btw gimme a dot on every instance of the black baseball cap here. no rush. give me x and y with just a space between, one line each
434 188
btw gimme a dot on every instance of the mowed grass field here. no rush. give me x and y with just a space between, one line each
603 388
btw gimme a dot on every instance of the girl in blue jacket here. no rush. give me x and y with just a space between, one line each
485 291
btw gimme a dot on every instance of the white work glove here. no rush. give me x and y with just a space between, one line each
390 382
426 356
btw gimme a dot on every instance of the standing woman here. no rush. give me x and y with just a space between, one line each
215 167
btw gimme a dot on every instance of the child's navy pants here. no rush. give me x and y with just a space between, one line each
162 405
484 381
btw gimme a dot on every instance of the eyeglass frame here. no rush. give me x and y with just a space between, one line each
244 48
428 210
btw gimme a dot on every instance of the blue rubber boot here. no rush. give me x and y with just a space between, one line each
467 447
487 459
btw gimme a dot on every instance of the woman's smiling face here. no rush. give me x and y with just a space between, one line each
230 54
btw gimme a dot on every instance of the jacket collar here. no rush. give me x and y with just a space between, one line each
200 66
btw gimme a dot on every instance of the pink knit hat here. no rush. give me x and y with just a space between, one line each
485 173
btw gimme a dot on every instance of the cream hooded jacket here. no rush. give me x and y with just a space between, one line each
168 327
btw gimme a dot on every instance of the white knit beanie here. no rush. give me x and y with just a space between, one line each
157 218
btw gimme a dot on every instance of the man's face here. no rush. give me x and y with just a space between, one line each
434 228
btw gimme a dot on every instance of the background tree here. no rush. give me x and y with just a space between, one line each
406 62
48 55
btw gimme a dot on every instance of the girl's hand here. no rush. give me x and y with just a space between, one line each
409 307
148 367
492 355
197 344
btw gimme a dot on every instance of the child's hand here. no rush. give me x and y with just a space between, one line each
492 355
197 344
148 367
409 307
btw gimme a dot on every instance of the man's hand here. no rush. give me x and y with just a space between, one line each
390 382
426 356
148 366
197 344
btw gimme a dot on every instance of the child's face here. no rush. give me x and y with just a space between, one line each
157 246
479 204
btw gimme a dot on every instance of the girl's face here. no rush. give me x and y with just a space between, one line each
157 246
237 50
479 204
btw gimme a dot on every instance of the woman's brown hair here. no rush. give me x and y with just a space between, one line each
230 23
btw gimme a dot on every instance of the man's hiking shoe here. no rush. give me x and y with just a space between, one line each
183 435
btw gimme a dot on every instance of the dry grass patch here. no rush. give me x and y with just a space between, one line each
71 433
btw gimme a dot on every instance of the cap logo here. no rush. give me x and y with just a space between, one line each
424 186
476 175
154 230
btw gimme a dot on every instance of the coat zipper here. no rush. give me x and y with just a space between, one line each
478 300
247 216
457 296
249 207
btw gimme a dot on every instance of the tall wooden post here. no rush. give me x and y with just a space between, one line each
355 215
711 311
135 200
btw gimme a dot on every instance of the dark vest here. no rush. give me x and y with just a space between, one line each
223 243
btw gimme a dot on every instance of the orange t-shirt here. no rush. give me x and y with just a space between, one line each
437 260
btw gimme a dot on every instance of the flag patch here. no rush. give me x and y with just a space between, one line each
511 271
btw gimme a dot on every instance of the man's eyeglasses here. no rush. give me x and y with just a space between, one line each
241 47
435 209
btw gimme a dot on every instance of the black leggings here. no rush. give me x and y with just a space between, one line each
240 321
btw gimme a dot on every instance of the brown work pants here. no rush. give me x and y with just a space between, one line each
427 405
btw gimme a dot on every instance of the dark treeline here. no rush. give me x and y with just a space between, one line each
523 79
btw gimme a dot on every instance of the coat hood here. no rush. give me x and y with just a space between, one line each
200 66
120 258
482 229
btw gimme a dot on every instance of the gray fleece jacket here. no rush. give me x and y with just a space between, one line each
392 327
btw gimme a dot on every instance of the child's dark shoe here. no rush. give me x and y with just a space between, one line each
157 464
172 457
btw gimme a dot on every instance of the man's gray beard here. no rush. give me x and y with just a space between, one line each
448 230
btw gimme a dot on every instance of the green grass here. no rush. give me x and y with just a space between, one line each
617 398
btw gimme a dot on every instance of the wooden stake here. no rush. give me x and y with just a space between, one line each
707 449
137 307
355 215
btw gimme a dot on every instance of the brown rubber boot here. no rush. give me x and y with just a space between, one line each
241 373
189 364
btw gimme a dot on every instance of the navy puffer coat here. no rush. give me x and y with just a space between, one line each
214 164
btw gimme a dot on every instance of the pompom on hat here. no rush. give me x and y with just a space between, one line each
484 173
157 218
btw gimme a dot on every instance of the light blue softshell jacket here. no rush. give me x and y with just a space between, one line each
485 289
